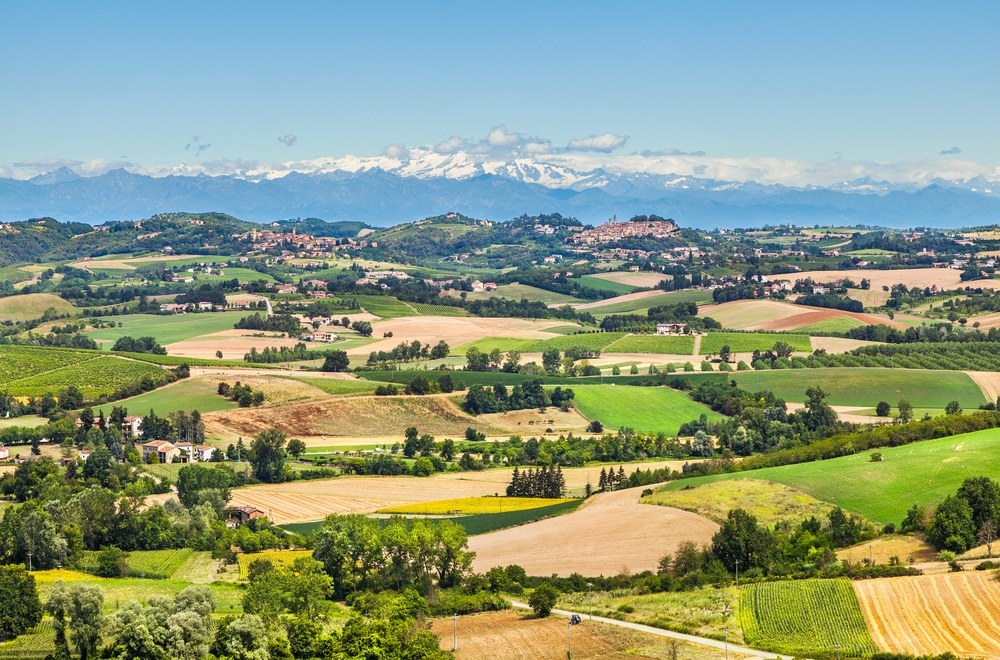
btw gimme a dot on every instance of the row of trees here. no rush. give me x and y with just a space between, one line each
542 482
529 394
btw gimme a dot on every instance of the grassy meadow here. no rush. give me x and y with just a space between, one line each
747 342
168 329
189 394
645 409
32 306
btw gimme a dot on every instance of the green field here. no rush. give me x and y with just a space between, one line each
747 342
919 473
429 309
95 377
595 341
14 274
838 324
189 394
645 409
24 361
276 557
640 305
32 306
602 284
170 328
681 345
518 291
241 274
154 564
923 388
804 616
383 306
30 421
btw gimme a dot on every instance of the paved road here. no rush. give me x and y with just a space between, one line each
703 641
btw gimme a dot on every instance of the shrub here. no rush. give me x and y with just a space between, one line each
543 599
112 561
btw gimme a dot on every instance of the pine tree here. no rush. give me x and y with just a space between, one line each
602 482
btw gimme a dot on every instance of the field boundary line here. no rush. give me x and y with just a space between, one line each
697 344
703 641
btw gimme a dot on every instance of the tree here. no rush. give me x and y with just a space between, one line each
952 527
883 409
195 483
953 408
296 447
218 354
244 638
162 629
543 599
448 449
983 496
20 608
817 413
987 535
741 540
112 561
79 609
905 411
336 361
550 360
725 354
267 456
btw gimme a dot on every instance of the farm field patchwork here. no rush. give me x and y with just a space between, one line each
919 473
932 614
169 328
645 409
475 505
803 616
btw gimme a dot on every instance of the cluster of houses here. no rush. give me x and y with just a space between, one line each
612 231
176 452
296 244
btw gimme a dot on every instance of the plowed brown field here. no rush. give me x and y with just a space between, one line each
930 614
611 533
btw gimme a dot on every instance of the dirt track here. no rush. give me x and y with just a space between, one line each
610 533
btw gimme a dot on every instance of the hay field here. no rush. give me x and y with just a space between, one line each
884 548
454 330
532 422
610 533
618 300
306 501
988 382
350 416
932 614
514 635
641 280
32 306
943 278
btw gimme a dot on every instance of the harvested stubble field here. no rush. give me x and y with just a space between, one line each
305 501
610 533
535 423
350 416
932 614
640 280
454 330
513 635
943 278
774 315
474 505
884 548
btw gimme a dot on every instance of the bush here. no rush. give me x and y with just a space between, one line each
987 565
112 561
543 599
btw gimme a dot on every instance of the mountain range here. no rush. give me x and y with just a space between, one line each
389 190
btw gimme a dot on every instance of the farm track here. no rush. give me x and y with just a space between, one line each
701 641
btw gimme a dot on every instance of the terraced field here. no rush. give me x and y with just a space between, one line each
804 616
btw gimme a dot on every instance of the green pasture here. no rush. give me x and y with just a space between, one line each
168 328
645 409
747 342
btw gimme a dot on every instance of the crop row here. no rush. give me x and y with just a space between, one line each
151 564
805 616
22 361
277 557
95 377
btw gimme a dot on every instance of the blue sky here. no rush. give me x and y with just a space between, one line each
861 81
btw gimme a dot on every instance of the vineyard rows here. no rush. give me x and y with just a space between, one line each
152 564
804 616
95 377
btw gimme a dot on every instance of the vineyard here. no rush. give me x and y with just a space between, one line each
429 309
804 616
383 306
152 564
37 643
747 342
99 376
956 356
277 557
928 614
25 361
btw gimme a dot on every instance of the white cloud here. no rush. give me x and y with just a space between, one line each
397 151
47 164
452 145
500 137
604 143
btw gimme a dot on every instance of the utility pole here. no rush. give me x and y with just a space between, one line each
590 600
29 561
454 634
569 640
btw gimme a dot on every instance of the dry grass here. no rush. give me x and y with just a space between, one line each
932 614
512 635
609 534
375 417
781 316
628 297
234 344
532 422
838 344
884 548
988 382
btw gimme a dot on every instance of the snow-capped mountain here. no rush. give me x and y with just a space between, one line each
408 184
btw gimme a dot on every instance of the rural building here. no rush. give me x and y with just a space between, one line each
164 451
173 308
132 426
245 513
671 328
4 453
204 453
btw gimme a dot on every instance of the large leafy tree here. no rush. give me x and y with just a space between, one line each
742 542
267 456
983 496
20 608
952 527
76 609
